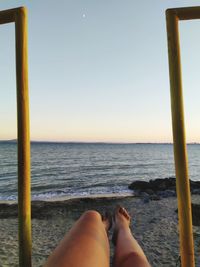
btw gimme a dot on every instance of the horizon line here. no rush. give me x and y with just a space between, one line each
91 142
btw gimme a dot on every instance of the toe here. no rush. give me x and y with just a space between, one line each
124 212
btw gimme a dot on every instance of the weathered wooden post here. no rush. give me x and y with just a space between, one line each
19 16
180 150
24 194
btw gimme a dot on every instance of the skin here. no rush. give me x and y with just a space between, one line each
128 253
87 244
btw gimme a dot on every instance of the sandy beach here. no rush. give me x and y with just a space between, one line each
154 225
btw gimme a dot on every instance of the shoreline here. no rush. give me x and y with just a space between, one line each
69 198
42 209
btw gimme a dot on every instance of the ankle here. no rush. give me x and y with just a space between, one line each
123 229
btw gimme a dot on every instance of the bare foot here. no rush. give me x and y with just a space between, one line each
107 220
121 220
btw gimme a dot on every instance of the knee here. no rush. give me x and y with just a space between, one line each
91 215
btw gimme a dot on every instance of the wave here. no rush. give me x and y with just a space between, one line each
68 193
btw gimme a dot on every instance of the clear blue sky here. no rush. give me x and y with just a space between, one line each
98 71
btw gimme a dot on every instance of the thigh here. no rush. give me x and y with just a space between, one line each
86 245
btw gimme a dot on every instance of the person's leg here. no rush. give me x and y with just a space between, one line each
86 244
128 253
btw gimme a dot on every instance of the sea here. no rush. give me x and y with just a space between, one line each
73 170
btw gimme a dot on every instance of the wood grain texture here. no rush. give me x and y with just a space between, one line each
19 16
180 150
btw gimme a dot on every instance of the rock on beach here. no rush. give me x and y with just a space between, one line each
161 187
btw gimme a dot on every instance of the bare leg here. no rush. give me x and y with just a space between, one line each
86 244
128 253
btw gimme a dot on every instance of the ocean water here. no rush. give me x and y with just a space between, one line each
74 170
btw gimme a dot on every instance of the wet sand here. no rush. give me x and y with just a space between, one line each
154 224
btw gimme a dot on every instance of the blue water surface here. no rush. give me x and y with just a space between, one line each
70 169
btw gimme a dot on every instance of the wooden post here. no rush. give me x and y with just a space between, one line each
180 150
19 16
24 194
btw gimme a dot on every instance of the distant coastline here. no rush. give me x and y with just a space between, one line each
96 143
